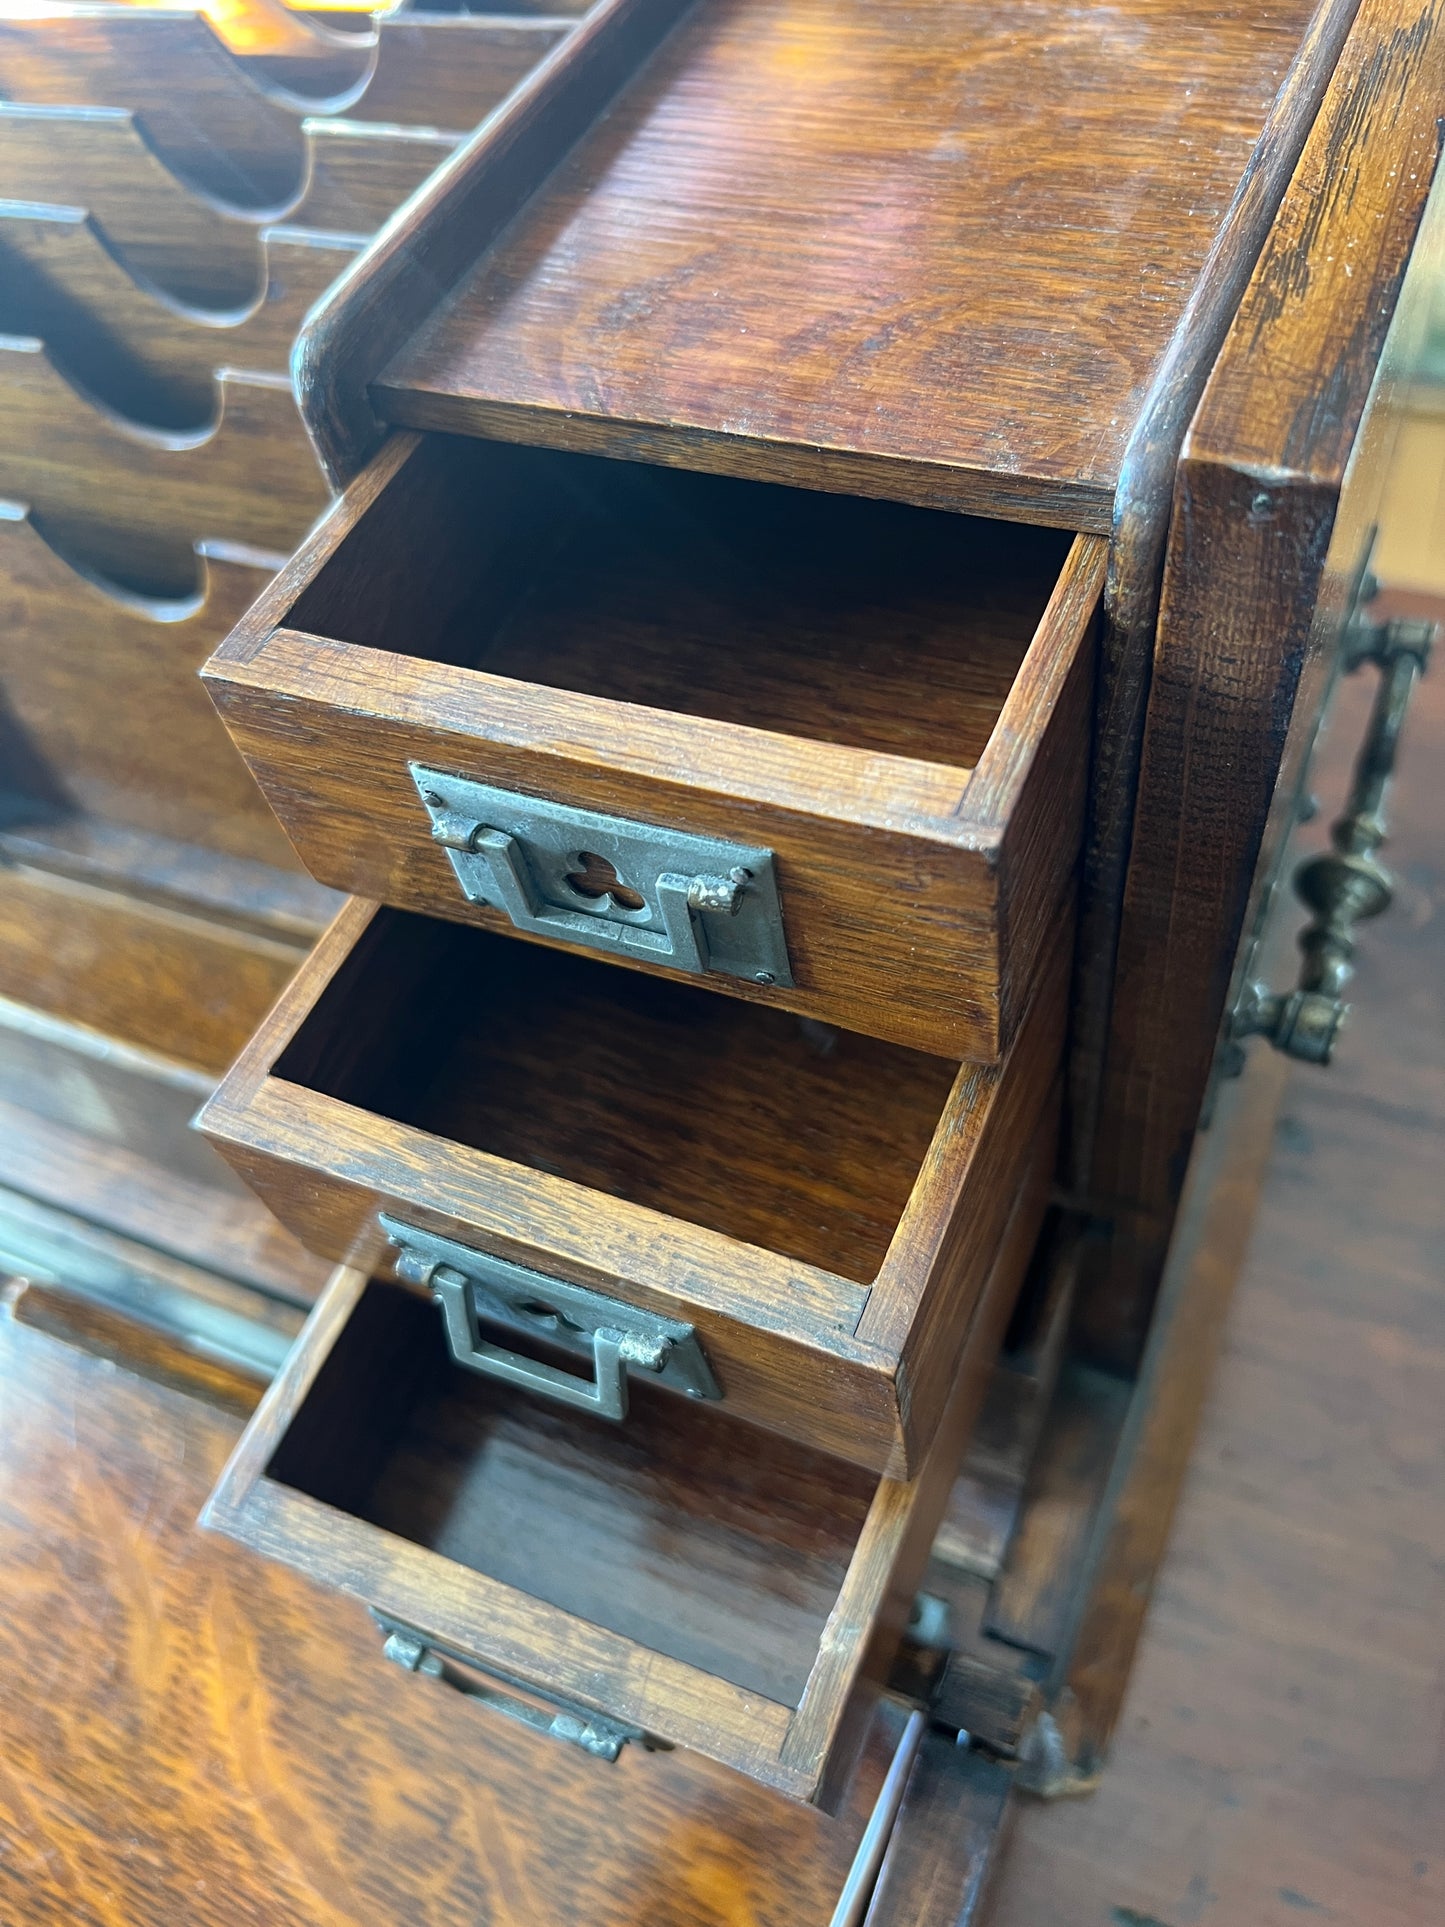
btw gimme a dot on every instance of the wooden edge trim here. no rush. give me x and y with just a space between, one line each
1065 628
438 1184
414 260
1136 561
271 607
902 795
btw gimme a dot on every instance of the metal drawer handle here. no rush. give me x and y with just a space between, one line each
471 1285
417 1652
1345 885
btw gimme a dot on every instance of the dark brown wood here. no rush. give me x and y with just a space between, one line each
558 1111
451 70
893 701
946 1841
1251 558
128 343
143 973
881 249
235 1746
131 503
372 313
359 175
102 712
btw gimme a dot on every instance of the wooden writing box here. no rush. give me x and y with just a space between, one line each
691 1577
822 1207
884 708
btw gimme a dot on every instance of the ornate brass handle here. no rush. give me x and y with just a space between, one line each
1345 885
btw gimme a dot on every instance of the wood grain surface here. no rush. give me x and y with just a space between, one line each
130 344
234 1747
1263 550
102 711
1277 1759
131 503
926 251
693 652
532 1149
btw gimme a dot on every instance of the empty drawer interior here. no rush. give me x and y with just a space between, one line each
868 624
683 1530
772 1129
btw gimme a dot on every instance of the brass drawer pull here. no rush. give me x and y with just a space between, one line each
471 1285
1345 885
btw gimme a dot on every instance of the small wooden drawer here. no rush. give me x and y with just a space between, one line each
819 1206
684 1575
829 752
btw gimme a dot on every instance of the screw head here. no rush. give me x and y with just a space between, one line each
764 977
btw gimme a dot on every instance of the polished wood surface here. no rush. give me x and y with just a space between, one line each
102 710
130 502
127 342
1277 1758
893 701
1264 550
273 1791
924 251
550 1182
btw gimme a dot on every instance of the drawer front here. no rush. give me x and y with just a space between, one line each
682 1578
820 1208
665 718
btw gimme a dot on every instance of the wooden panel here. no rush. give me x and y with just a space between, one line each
130 502
780 254
581 1109
128 343
102 711
944 1845
1253 597
698 658
146 975
450 70
357 175
202 115
239 1722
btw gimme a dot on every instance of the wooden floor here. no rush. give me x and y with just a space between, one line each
1281 1760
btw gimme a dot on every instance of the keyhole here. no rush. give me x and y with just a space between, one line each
595 877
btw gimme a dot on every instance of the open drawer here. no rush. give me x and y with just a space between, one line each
683 1576
822 752
819 1207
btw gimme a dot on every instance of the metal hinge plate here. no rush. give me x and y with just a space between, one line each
663 896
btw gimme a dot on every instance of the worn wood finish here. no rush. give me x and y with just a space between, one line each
1142 506
451 70
780 254
101 710
1276 1757
370 1470
132 503
210 124
100 1129
201 251
947 1839
1251 557
581 1106
378 304
140 972
273 1793
894 702
125 340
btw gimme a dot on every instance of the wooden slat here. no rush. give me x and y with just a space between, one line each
130 344
130 503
